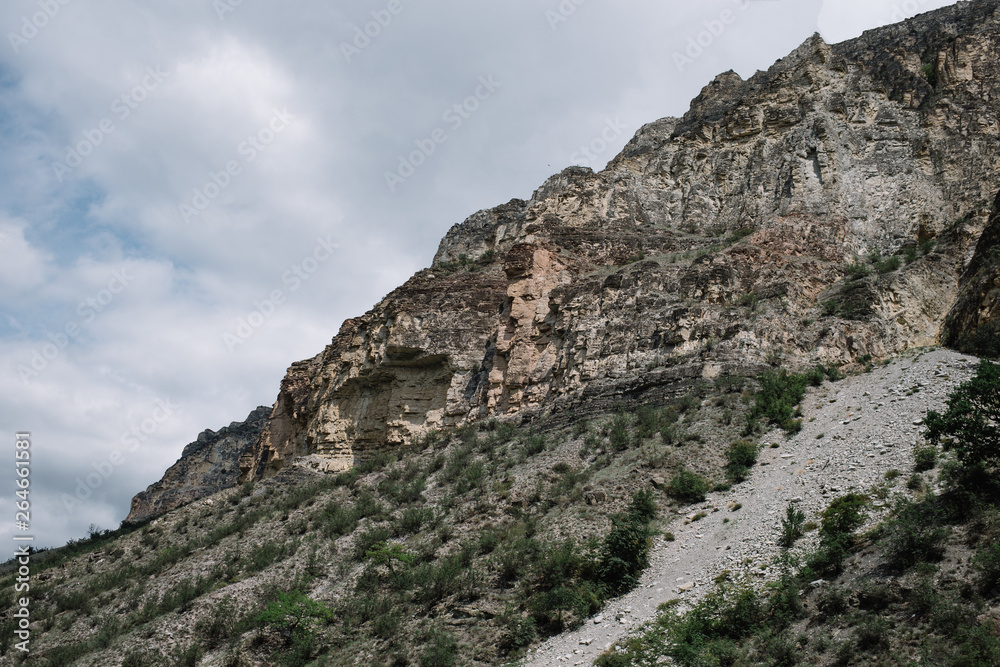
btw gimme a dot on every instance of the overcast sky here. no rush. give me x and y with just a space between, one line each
167 171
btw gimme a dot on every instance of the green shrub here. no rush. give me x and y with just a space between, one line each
611 659
915 534
441 650
856 270
706 633
791 526
833 601
368 539
336 520
643 505
740 456
219 624
534 445
775 402
619 434
518 632
816 375
384 553
558 564
976 646
647 421
971 424
565 606
889 264
688 487
186 657
987 563
841 518
844 515
872 634
672 434
624 553
413 519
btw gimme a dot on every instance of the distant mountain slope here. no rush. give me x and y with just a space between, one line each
206 466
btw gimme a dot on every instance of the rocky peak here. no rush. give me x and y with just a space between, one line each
207 465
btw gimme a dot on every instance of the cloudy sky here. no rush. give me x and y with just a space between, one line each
193 196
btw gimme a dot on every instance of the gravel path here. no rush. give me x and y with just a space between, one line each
853 431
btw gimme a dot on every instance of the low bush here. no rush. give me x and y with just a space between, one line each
987 563
776 400
518 632
619 433
915 534
440 650
856 270
740 456
841 518
791 526
625 553
688 487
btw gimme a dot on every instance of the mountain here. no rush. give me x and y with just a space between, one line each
822 211
631 373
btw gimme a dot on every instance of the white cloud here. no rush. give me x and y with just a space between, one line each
22 266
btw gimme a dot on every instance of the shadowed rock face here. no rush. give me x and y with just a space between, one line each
717 243
206 466
973 324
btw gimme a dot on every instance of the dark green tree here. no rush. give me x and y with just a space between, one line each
971 424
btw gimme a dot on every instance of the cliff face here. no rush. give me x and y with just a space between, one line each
823 210
973 325
206 466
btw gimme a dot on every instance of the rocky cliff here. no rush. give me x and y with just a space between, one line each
824 210
206 466
973 325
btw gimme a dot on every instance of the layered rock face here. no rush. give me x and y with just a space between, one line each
734 238
206 466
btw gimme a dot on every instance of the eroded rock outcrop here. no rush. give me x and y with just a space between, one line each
206 466
820 211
